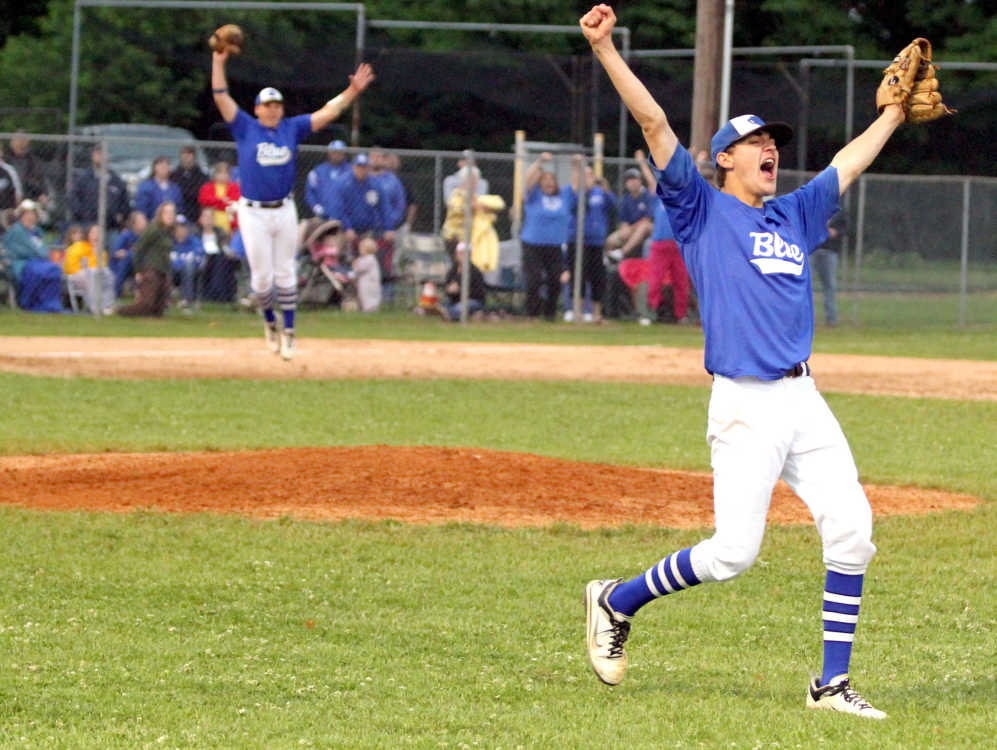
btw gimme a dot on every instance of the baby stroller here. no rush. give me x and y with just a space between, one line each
324 278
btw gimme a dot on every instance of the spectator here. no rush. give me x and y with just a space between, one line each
157 189
187 261
484 212
392 190
74 233
357 202
636 217
825 260
38 279
367 272
665 263
452 181
599 206
320 180
120 262
476 290
221 195
86 276
84 196
189 177
152 264
546 213
11 191
29 168
221 263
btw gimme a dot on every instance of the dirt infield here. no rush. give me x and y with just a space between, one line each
425 485
416 485
325 358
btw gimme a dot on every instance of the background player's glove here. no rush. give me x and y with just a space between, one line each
925 101
228 38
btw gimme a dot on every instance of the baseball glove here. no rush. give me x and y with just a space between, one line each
925 101
228 38
910 82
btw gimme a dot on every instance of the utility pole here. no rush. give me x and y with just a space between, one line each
708 67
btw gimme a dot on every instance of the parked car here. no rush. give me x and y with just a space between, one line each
133 147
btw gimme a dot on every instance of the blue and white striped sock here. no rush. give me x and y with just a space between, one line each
265 301
288 301
842 597
672 574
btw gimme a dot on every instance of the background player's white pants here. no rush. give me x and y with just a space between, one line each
270 236
760 431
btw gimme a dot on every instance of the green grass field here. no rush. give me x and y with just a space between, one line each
153 630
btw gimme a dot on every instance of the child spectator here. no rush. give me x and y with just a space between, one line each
221 195
120 262
187 261
367 272
84 272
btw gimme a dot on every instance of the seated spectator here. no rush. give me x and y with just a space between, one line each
221 263
327 278
450 309
636 217
37 278
86 276
322 177
85 195
221 195
152 264
74 233
367 276
157 189
187 261
189 177
120 262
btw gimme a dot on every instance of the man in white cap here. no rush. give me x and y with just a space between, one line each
268 217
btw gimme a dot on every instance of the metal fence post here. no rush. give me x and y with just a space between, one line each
964 254
95 279
470 193
581 193
859 227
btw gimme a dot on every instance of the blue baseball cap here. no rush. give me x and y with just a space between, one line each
744 125
269 94
337 146
361 160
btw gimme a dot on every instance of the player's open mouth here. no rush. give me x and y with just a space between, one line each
768 167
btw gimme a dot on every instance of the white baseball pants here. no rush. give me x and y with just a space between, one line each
270 236
760 431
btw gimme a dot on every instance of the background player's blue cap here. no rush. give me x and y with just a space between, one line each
337 146
361 160
269 94
744 125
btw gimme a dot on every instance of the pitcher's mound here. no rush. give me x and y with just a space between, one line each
416 485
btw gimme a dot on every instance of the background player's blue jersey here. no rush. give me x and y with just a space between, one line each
268 156
750 266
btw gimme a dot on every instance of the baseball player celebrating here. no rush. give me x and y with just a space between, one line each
748 258
268 218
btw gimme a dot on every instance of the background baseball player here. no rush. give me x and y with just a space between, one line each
268 218
749 261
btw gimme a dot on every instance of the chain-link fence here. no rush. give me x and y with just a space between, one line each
915 249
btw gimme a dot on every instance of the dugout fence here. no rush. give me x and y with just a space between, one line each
919 248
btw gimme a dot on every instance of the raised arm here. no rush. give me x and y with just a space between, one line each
533 172
855 158
645 169
333 108
597 26
219 87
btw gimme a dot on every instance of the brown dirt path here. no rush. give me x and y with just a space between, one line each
416 485
347 358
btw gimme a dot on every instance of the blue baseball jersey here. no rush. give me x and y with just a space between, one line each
268 156
634 209
318 186
395 202
546 217
598 216
358 204
662 227
750 266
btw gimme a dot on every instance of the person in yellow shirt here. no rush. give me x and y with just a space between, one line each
484 210
84 278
